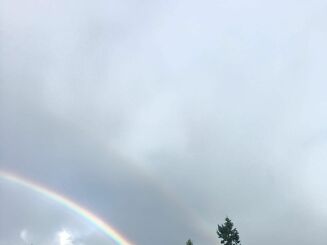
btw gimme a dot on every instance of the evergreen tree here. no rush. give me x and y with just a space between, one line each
228 234
189 242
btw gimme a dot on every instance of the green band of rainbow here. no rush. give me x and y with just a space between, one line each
69 204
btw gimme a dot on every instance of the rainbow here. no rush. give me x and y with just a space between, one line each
68 203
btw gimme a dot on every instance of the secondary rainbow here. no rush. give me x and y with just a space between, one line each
68 203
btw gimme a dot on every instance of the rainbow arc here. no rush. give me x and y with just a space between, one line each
67 203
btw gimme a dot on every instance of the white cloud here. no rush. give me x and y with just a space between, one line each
65 238
24 235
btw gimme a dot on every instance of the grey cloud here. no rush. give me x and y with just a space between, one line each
166 116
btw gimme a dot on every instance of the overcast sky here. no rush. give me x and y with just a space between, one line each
163 117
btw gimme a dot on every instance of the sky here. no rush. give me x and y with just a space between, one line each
164 117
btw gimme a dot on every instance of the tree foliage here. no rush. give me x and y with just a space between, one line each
228 234
189 242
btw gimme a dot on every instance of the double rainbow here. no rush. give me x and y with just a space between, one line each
67 203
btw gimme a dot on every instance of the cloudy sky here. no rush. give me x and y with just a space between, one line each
162 117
